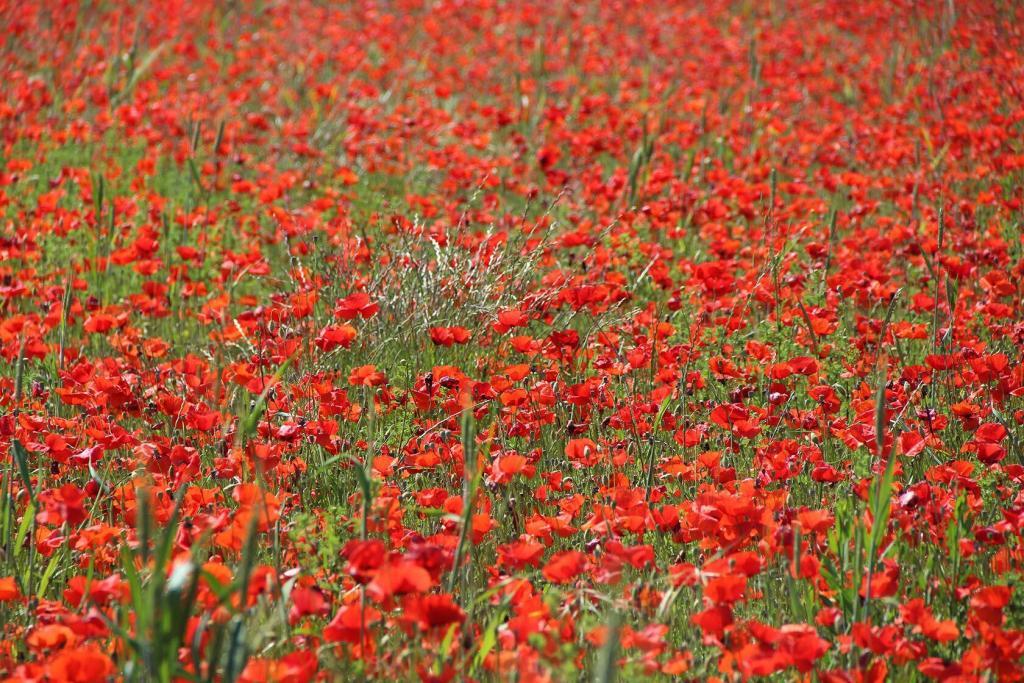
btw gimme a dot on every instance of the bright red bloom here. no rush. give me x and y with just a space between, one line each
565 566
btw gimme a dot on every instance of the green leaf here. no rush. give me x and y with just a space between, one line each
606 660
44 581
21 458
144 66
23 527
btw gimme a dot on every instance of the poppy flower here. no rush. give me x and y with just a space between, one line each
366 376
447 336
9 589
565 566
292 668
430 612
333 336
357 305
349 623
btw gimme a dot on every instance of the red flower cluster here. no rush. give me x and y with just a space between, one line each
512 341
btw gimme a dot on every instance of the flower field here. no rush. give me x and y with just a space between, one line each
472 340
